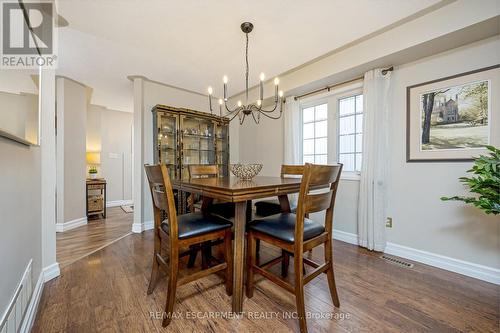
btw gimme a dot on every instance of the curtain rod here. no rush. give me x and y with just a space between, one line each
328 88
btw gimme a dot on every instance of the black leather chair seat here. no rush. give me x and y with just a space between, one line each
282 226
271 207
224 209
196 224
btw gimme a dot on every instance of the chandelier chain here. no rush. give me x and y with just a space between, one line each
247 71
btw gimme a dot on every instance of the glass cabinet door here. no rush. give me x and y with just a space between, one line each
222 149
167 141
197 140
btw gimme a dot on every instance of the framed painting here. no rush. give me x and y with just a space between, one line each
452 119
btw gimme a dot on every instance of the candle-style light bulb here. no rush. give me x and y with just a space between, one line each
281 93
210 90
239 103
225 79
262 76
259 102
276 81
220 101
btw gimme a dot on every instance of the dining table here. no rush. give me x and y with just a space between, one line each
241 192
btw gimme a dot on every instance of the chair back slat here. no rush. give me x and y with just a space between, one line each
203 171
324 174
322 178
318 202
162 196
293 170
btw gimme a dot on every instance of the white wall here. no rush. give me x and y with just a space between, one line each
71 149
110 132
146 96
421 220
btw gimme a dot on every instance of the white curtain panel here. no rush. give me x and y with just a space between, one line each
292 131
373 185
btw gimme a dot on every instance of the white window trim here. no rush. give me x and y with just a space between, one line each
332 99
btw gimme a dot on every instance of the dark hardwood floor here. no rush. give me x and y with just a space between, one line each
98 232
106 292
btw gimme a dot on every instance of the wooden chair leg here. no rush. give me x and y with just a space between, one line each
228 257
192 256
299 292
206 254
257 249
251 260
172 286
155 270
285 263
329 273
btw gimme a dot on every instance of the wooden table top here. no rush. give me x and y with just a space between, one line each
234 189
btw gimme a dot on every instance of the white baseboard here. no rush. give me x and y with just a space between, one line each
477 271
50 272
137 228
62 227
117 203
485 273
31 311
345 237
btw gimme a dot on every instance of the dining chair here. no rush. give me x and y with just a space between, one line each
273 206
297 234
223 209
182 231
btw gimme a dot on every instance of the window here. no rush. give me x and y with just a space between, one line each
315 134
350 132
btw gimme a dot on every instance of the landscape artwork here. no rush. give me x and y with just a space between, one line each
455 117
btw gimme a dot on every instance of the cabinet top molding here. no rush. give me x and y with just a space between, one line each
161 107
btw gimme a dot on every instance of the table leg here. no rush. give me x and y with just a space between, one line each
239 255
284 203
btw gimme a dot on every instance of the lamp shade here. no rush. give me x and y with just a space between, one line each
94 157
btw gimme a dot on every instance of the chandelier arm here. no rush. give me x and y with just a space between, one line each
269 111
253 116
271 117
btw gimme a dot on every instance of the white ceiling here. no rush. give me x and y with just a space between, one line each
191 44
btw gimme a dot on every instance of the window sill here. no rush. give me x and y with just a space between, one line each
352 176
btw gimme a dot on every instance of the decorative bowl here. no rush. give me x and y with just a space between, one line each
245 171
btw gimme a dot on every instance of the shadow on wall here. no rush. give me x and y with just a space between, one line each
477 228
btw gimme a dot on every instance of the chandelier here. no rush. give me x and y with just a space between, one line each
247 109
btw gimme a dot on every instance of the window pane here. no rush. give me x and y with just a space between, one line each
320 147
308 115
359 142
359 103
348 161
359 123
321 129
321 112
308 148
309 131
346 105
346 125
320 159
346 143
308 159
358 162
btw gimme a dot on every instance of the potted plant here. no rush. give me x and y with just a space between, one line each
485 183
93 172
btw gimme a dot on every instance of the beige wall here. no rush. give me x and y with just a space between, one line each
110 132
20 209
420 219
71 149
